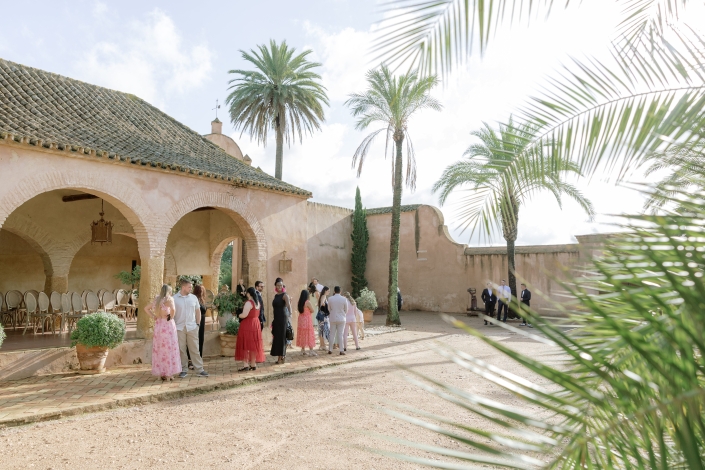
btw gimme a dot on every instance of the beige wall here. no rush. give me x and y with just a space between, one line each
329 245
94 266
21 267
435 272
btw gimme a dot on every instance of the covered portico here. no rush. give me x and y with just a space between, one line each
175 199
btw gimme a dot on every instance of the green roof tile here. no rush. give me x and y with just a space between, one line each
65 113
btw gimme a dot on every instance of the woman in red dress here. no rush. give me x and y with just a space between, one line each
249 337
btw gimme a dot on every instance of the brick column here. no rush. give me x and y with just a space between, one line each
58 283
151 282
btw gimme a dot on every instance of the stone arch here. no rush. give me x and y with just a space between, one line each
123 198
249 225
35 242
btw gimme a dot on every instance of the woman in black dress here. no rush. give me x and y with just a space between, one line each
200 293
280 306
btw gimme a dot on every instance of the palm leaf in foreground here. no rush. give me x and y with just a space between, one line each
436 36
630 391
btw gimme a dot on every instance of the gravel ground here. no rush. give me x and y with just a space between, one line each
320 419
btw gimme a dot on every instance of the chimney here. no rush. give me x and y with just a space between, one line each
216 126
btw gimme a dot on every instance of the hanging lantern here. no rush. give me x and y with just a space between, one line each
101 230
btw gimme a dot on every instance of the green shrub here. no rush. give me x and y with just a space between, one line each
232 326
99 329
367 300
227 302
2 335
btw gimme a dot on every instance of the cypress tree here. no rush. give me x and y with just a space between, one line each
360 238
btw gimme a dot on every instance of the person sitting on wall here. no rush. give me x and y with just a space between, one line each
490 300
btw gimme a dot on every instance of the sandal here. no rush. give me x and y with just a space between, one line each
253 368
163 378
246 368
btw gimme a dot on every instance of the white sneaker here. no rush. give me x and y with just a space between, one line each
522 324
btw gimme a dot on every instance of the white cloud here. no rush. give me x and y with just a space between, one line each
148 60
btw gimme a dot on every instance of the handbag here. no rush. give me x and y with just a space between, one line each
320 317
289 332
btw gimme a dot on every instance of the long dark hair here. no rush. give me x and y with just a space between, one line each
323 292
302 300
253 294
200 294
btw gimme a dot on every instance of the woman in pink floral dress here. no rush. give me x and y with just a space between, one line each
305 333
166 359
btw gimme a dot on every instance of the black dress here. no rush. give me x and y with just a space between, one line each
279 326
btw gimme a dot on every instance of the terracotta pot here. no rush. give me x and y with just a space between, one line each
223 319
368 314
227 345
92 360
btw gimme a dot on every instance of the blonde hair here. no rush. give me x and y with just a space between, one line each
163 294
350 299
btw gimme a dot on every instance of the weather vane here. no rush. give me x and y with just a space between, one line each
217 107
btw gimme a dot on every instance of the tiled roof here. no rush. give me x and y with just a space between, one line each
45 109
388 210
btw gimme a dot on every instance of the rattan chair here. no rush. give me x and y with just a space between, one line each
92 302
13 303
34 315
110 305
77 311
45 311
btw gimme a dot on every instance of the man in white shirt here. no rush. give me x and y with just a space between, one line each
338 307
504 295
318 285
187 317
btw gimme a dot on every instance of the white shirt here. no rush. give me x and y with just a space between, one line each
338 306
505 293
185 314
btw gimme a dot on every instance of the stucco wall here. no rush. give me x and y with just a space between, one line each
95 266
330 245
21 267
435 272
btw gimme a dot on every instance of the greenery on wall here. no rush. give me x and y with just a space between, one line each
226 267
360 238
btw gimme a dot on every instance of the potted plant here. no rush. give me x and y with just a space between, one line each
94 335
226 303
367 302
228 338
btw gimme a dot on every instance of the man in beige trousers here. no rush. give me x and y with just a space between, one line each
187 318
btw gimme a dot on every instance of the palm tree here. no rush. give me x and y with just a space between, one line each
502 177
391 101
283 93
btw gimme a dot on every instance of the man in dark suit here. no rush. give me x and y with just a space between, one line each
259 287
525 298
490 300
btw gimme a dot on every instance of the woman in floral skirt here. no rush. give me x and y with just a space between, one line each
305 334
166 359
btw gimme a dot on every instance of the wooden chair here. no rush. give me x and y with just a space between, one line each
121 299
4 313
34 316
77 311
110 305
92 302
131 308
55 299
65 310
45 311
83 298
100 297
13 303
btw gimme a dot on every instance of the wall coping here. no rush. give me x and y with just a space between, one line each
527 249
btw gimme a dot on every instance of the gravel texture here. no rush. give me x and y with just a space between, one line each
317 420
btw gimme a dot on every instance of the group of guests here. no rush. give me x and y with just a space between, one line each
501 296
179 326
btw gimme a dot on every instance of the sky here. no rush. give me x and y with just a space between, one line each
177 54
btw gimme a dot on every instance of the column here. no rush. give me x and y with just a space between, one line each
58 283
151 282
237 262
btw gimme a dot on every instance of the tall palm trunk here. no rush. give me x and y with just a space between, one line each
510 229
280 150
393 312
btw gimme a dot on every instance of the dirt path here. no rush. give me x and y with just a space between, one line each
312 420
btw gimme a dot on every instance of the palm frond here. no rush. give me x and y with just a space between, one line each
631 390
435 36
